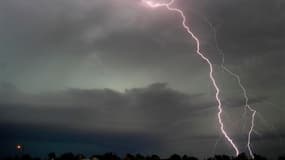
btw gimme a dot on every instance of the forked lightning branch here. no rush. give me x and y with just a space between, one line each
169 6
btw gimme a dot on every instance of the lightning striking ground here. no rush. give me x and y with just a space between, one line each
248 107
237 77
213 80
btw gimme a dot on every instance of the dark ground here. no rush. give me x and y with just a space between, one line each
111 156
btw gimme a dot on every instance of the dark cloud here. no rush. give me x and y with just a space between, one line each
153 107
154 112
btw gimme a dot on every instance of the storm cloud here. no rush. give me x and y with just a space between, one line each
117 66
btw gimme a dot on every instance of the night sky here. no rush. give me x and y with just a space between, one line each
95 76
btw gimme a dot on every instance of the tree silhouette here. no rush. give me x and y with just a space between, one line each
281 158
222 157
79 157
67 156
139 157
129 157
112 156
26 157
185 157
259 157
175 157
51 156
241 156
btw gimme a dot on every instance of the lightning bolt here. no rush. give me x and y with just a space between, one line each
247 106
212 78
245 95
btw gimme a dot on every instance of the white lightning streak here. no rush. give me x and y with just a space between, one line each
237 77
248 107
217 95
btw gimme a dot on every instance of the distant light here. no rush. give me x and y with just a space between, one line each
19 147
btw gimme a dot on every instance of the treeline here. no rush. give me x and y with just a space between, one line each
111 156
